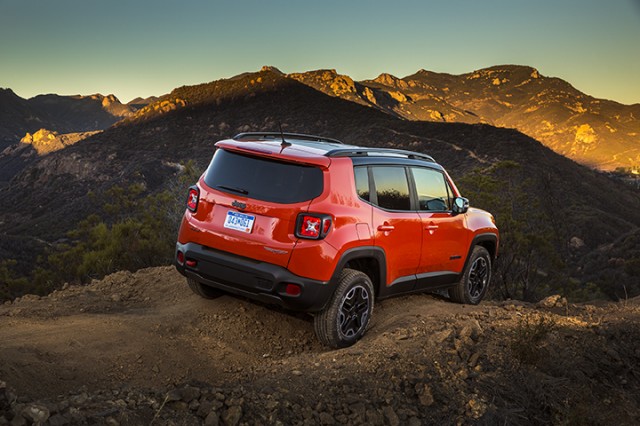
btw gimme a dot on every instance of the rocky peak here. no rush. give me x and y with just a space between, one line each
140 102
328 81
46 141
42 137
272 69
163 105
108 100
43 141
391 80
501 74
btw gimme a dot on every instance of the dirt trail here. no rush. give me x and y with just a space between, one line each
149 329
423 360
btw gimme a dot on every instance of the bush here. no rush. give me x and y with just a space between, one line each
528 253
9 281
135 231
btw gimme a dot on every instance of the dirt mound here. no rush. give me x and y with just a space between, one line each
141 348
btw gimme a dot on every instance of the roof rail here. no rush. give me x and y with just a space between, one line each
278 136
363 152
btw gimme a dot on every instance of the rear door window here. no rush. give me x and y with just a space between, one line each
263 179
392 187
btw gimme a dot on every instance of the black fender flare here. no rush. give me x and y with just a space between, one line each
364 252
476 241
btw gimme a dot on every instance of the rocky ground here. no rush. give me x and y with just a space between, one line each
142 349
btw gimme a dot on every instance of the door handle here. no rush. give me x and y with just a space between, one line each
386 228
431 227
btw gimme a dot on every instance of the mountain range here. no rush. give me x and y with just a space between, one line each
595 132
580 210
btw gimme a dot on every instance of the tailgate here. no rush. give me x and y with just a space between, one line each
255 229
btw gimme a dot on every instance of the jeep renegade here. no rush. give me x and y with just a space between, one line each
311 224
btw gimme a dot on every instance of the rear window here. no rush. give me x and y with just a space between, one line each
263 179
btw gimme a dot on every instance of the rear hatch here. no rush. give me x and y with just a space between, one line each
249 203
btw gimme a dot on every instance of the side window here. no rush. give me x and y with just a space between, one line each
392 188
432 188
362 182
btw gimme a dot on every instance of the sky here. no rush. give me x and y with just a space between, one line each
134 48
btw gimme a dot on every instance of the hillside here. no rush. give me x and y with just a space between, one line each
16 157
595 132
62 114
141 349
543 201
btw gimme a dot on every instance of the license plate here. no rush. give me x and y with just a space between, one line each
239 221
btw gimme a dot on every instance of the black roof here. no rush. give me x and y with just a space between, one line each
333 147
378 152
274 136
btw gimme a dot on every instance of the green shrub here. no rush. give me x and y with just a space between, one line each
9 281
135 231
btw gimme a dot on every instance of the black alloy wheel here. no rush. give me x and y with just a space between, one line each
478 278
353 314
345 318
475 280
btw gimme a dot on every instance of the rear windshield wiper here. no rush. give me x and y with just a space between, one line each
231 188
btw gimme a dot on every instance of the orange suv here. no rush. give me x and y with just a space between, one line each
314 225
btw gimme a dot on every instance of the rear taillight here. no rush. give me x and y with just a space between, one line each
313 226
192 198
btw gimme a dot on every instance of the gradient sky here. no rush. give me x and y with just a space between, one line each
140 48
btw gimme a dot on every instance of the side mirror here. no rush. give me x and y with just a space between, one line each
460 205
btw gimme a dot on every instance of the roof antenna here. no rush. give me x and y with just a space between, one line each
284 142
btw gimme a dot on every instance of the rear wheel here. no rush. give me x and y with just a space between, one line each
475 280
345 319
203 290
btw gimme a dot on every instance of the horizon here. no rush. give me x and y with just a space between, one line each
286 72
129 50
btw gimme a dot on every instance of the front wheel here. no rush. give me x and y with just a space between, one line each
475 280
345 319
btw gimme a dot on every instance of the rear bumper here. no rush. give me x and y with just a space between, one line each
256 280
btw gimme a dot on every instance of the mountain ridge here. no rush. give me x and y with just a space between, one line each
596 132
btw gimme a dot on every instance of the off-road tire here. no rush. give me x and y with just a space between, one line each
475 280
203 290
345 319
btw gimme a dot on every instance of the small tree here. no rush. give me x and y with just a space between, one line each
10 284
526 249
134 231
